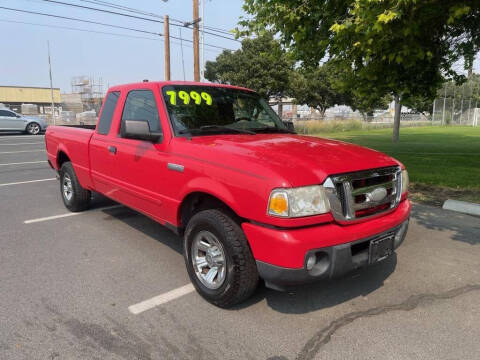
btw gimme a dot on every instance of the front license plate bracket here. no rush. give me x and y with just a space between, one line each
380 249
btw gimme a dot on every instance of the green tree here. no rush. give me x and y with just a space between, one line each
419 103
399 47
315 88
366 105
353 96
261 64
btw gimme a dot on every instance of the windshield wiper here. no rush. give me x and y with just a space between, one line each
216 129
269 129
226 128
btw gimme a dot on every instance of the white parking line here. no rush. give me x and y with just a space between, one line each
48 218
161 299
26 182
26 162
21 151
34 143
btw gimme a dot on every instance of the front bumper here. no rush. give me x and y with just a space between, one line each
331 262
281 255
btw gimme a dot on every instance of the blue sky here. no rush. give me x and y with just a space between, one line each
116 59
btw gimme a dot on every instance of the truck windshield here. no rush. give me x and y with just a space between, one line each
202 110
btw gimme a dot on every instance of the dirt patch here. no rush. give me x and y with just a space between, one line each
436 195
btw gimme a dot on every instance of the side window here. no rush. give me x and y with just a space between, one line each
7 113
141 105
107 112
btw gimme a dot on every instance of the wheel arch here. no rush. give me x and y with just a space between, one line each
199 200
62 157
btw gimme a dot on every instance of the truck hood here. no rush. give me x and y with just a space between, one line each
299 160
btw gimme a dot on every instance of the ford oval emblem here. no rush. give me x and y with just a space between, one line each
377 194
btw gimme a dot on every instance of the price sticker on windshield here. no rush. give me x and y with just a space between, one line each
186 98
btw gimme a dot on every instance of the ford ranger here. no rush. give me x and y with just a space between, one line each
251 199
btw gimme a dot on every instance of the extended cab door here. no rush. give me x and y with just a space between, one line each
100 146
134 170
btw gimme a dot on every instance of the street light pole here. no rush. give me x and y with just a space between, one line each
166 36
51 83
444 102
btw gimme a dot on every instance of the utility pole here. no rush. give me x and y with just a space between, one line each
202 40
196 50
166 33
51 83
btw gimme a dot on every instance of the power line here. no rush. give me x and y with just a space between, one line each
78 29
218 30
96 32
101 10
210 33
129 9
103 24
124 8
141 12
127 15
80 20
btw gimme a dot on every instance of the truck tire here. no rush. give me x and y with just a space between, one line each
74 196
213 240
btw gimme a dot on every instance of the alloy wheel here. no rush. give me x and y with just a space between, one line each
209 260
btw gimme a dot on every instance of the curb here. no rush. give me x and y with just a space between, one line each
462 206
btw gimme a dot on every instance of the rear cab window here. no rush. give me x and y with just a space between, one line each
106 117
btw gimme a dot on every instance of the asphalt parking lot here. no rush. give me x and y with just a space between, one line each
81 287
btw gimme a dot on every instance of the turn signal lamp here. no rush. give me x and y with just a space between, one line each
278 204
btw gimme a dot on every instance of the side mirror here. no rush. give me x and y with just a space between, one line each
289 125
140 129
18 116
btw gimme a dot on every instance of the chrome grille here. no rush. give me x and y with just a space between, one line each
362 194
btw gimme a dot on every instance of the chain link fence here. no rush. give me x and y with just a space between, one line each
452 111
351 122
458 104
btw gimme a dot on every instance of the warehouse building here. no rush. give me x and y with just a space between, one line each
29 100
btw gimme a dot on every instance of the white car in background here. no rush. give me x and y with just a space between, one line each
11 121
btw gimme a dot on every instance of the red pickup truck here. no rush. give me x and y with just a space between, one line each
250 198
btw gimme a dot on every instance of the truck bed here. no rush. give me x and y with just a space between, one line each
72 142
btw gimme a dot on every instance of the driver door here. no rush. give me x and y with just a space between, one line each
139 167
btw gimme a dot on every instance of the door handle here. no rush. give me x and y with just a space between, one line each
112 149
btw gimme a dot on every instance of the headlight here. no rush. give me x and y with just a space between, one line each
405 181
296 202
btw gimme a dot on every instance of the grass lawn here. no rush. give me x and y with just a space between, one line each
440 159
